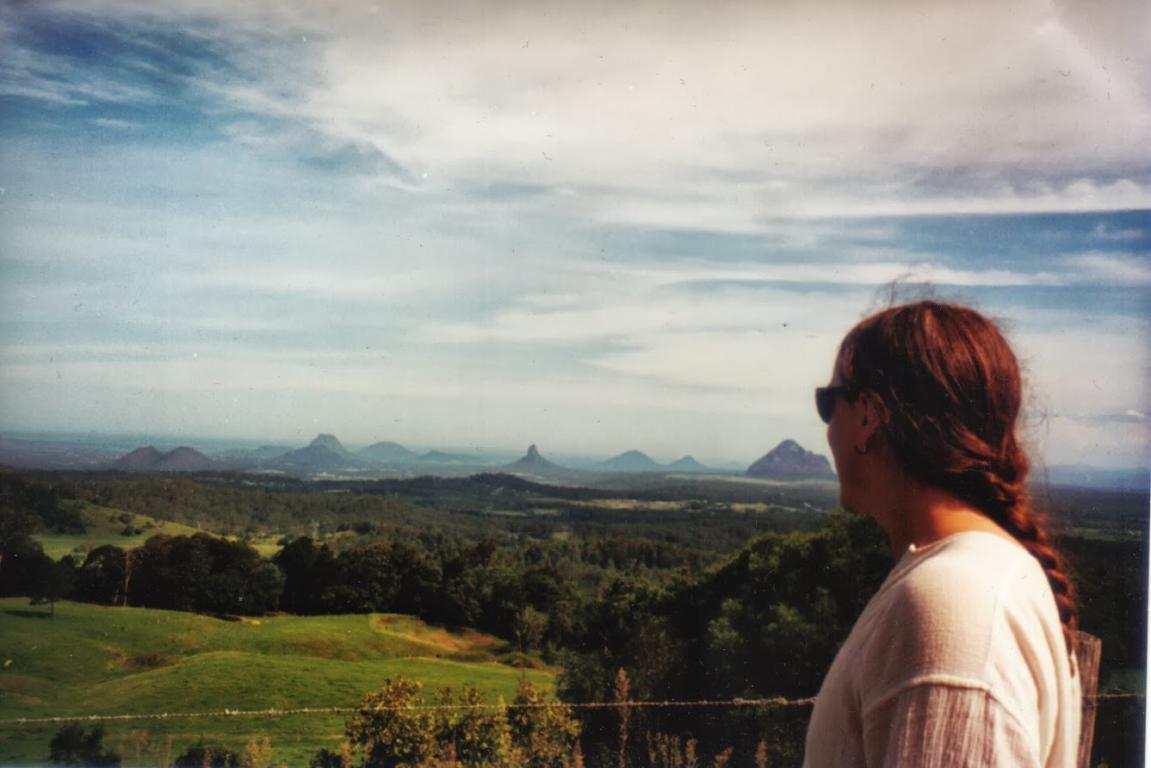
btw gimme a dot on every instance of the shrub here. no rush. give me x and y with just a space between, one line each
392 729
544 731
72 745
203 755
389 730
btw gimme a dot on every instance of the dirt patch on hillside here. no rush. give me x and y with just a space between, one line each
448 641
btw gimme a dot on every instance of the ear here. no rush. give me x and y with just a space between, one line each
873 417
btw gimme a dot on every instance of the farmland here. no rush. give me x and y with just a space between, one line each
90 660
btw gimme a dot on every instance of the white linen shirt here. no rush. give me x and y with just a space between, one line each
958 660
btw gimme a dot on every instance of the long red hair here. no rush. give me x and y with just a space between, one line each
951 388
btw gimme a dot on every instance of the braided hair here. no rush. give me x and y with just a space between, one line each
951 389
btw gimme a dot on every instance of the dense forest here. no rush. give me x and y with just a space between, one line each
725 593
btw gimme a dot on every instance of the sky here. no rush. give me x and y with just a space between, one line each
594 226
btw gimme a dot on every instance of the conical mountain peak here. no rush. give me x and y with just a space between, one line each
789 461
325 440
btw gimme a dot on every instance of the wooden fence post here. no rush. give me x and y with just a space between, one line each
1088 649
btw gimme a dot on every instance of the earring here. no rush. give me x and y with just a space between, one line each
862 451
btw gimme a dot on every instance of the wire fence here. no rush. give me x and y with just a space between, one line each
775 702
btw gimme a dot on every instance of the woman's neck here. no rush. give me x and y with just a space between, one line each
919 514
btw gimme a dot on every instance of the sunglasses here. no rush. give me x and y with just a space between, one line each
825 399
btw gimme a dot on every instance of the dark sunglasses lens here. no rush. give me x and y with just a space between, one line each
825 403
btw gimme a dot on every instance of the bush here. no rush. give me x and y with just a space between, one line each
332 758
544 731
203 755
72 745
393 729
390 730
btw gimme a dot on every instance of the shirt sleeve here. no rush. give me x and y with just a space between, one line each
935 725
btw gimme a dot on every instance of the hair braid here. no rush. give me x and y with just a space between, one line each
1015 514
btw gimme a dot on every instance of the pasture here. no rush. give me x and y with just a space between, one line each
95 660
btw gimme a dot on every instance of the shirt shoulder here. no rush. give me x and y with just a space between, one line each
953 610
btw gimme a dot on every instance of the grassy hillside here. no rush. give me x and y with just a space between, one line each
108 525
115 661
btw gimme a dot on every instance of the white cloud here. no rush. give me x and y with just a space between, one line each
677 114
107 122
772 362
638 298
723 118
1104 232
1110 268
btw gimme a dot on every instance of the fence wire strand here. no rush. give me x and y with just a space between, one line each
775 702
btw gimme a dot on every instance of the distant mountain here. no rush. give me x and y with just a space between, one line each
143 459
265 452
631 461
789 461
256 454
687 464
148 459
386 453
325 453
331 442
441 457
533 463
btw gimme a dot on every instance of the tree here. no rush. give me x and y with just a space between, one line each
24 563
366 581
389 730
16 527
51 581
201 755
72 745
392 730
543 730
309 571
202 573
529 626
40 503
472 734
101 577
332 758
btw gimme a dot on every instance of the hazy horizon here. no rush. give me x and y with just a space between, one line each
588 226
218 444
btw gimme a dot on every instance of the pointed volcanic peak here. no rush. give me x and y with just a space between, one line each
322 454
386 452
331 442
148 459
789 461
532 462
185 459
631 461
687 464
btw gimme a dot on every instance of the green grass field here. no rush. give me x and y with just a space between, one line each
105 526
94 660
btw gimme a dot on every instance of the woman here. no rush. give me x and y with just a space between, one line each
965 654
